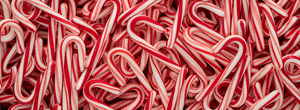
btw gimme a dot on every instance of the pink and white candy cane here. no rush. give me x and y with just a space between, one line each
42 6
15 28
183 4
274 43
217 48
127 15
60 61
140 97
22 70
44 85
145 45
99 48
100 84
131 61
199 23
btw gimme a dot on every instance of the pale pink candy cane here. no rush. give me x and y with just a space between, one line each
127 15
44 85
184 91
274 43
103 85
128 87
234 83
150 100
217 48
273 96
203 49
261 73
276 8
176 91
182 6
22 70
199 23
145 45
42 6
131 61
99 48
256 26
15 29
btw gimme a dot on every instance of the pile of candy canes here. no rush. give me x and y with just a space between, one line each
149 54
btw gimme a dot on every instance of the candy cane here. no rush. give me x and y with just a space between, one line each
241 53
273 96
257 27
177 22
128 87
237 77
22 70
150 100
127 15
15 28
131 61
274 44
100 46
61 59
199 23
103 85
47 10
47 76
149 48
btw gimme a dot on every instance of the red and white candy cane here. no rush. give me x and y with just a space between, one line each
177 22
234 83
140 97
256 26
131 61
274 45
103 85
15 29
284 75
99 48
203 49
127 15
184 91
22 70
42 6
217 48
60 61
44 85
150 100
199 23
145 45
177 90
